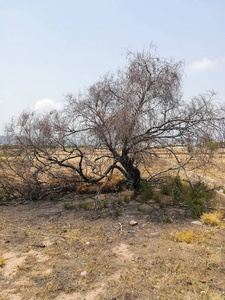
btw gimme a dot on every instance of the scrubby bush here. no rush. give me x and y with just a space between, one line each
195 195
172 187
147 192
86 205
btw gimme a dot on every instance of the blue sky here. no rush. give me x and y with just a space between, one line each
49 48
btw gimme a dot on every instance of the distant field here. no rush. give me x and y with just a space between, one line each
206 164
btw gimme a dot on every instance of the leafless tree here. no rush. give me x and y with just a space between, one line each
121 121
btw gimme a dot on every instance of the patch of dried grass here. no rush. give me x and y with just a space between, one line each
213 219
185 236
1 260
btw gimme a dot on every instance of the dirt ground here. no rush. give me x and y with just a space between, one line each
58 250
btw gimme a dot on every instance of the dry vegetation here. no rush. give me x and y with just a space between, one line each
56 251
81 246
72 181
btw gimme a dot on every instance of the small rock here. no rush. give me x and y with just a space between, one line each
169 250
83 274
197 223
221 191
87 243
154 234
133 223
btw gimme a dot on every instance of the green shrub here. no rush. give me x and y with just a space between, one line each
168 219
86 205
125 184
120 200
190 148
123 199
104 203
67 205
126 198
142 209
119 211
177 189
173 187
147 192
196 197
166 189
52 196
5 194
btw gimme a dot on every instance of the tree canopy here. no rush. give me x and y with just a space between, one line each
118 122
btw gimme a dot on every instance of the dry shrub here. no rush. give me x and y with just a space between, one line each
185 236
106 185
213 219
111 182
82 187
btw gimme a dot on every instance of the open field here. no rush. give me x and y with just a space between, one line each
83 246
53 250
207 163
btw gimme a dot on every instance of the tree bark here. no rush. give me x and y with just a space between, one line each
133 173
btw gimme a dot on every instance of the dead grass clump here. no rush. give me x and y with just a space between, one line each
1 260
185 236
108 184
213 219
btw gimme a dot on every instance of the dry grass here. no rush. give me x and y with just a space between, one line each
210 167
86 249
213 219
1 260
185 236
73 254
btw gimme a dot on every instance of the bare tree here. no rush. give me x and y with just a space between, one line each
121 120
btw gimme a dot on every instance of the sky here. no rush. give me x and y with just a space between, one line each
49 48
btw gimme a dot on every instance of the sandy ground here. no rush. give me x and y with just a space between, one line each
53 253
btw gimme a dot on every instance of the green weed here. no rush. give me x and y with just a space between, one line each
147 192
123 199
119 211
104 203
168 219
195 196
26 233
142 209
67 205
86 205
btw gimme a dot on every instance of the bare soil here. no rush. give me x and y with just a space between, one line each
53 250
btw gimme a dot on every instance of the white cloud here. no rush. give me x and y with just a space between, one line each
203 64
47 104
1 102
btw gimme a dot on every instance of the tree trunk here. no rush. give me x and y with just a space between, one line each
133 172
